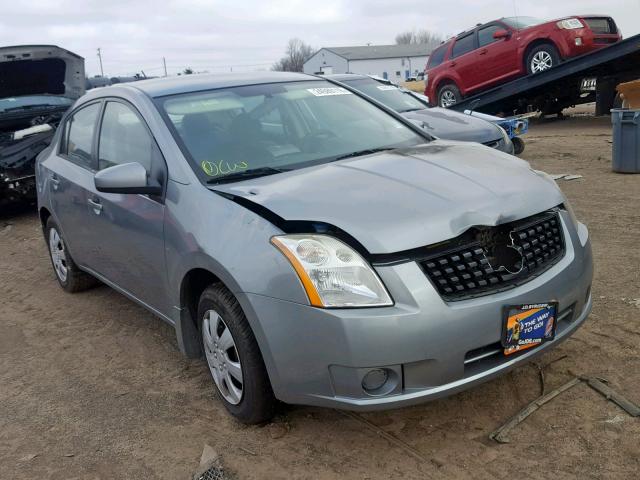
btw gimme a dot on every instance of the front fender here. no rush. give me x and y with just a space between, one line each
207 231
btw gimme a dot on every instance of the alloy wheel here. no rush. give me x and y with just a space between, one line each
222 357
541 61
447 98
58 255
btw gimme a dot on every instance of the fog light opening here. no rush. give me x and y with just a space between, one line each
578 41
379 381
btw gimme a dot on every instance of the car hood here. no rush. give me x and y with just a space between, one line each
406 198
40 70
450 125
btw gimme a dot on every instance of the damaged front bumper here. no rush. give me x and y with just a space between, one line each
17 165
430 347
17 189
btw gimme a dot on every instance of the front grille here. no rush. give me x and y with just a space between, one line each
601 25
485 260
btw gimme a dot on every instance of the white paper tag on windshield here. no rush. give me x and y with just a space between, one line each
387 87
327 91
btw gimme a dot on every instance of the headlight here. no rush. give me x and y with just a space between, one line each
331 272
570 24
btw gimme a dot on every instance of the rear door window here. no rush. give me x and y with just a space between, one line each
437 56
80 130
464 45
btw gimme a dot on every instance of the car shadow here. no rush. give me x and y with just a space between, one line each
16 210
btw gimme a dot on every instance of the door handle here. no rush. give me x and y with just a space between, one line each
452 64
55 181
483 51
95 205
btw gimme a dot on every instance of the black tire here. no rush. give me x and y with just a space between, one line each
451 91
75 280
518 145
545 50
257 403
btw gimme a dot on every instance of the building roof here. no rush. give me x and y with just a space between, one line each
380 51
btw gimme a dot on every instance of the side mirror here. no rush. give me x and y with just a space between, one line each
502 33
126 178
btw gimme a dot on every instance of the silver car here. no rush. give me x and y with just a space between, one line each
314 246
439 122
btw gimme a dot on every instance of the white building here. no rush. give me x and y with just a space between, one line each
395 62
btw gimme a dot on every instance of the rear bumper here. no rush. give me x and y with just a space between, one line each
319 357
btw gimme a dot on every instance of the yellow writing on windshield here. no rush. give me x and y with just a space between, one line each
213 169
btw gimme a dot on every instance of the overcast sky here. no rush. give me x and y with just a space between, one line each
217 35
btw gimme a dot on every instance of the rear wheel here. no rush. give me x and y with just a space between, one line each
541 58
234 358
69 276
448 95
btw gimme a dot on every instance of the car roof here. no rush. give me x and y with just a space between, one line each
471 30
159 87
345 77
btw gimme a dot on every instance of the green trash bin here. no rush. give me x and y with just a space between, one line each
626 140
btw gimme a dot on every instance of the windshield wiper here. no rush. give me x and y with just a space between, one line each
360 153
412 110
246 174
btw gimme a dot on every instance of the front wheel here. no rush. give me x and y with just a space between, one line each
541 58
518 145
448 95
233 357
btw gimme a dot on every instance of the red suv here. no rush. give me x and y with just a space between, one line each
501 50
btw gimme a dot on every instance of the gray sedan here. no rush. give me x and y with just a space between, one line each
439 122
312 245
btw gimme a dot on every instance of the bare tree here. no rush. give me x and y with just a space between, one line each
405 38
297 53
423 37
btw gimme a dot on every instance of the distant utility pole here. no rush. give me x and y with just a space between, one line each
100 58
164 64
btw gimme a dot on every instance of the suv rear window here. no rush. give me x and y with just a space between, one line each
463 45
437 56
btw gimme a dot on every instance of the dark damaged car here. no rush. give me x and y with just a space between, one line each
38 84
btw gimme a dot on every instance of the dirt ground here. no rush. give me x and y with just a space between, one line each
92 386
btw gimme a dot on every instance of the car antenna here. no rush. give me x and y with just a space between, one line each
515 13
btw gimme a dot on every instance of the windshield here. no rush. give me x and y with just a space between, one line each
389 95
31 101
522 22
269 128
